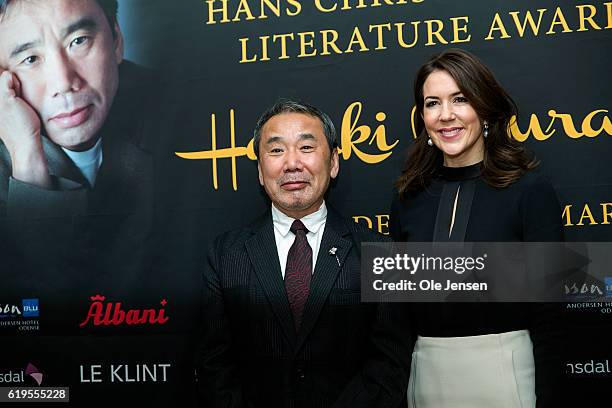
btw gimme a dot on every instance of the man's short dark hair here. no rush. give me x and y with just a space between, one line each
108 6
289 106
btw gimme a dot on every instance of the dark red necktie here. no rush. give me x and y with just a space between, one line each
298 272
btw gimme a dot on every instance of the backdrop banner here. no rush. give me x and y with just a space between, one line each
100 287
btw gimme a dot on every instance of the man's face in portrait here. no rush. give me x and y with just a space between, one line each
65 55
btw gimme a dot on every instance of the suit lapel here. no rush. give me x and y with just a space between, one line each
60 164
261 248
126 179
329 264
127 172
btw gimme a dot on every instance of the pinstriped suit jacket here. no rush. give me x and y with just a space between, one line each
346 353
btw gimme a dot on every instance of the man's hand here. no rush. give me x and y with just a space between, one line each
20 132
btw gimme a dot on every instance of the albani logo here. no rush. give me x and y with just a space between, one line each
113 314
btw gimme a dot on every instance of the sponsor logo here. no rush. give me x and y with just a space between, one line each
30 307
103 313
8 310
603 307
589 368
583 291
608 283
35 373
125 373
20 376
20 316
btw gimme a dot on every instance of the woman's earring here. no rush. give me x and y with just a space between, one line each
429 141
485 133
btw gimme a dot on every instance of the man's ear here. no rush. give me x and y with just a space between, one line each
335 163
118 42
259 173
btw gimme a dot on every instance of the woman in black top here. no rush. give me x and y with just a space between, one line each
466 180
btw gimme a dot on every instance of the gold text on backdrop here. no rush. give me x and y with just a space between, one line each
556 21
355 137
222 11
585 216
375 37
603 124
378 223
383 35
371 143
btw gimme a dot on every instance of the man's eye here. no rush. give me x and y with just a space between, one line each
307 147
276 150
79 40
32 59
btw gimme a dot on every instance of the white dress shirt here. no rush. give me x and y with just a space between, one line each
88 161
315 223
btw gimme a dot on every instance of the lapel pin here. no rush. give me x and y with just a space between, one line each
332 251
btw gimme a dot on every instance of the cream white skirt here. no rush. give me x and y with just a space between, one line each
492 371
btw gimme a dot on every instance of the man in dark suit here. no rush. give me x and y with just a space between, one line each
283 321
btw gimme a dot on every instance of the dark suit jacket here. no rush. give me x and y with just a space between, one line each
346 353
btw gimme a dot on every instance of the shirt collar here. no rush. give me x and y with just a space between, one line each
313 222
86 157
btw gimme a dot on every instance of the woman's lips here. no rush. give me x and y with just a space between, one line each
449 133
72 119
